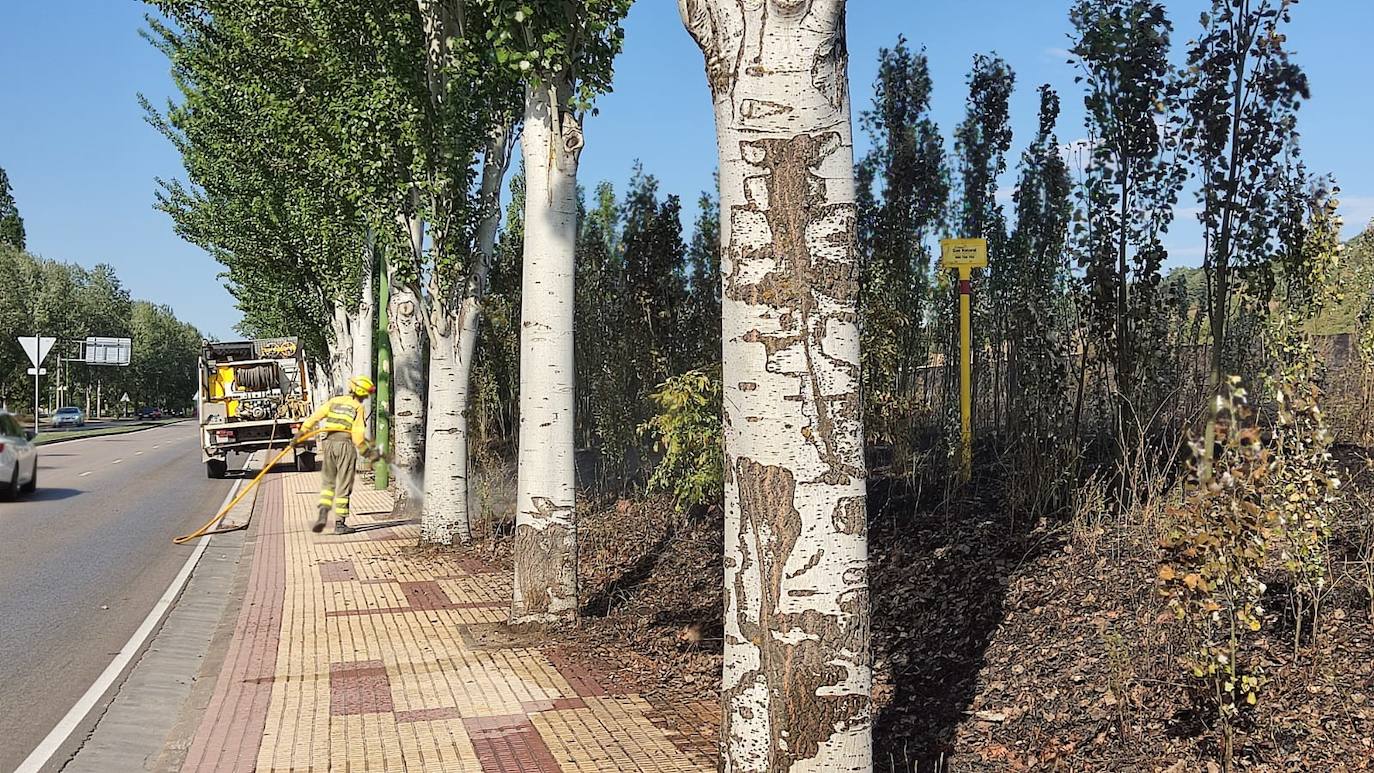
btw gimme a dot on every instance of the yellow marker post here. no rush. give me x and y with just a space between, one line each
964 255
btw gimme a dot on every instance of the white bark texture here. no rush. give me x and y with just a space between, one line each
797 670
444 515
341 347
545 531
364 320
447 512
405 321
319 384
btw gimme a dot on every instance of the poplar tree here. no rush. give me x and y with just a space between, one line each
907 165
563 50
1131 186
1241 92
797 663
11 224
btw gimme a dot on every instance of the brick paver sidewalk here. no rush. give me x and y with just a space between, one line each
358 653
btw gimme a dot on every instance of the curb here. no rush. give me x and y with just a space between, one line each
122 431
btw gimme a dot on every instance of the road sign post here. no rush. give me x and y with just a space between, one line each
36 347
964 255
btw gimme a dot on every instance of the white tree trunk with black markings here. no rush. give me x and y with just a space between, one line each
405 321
545 531
446 514
364 321
797 671
319 384
341 346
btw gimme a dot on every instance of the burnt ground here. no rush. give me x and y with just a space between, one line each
1001 644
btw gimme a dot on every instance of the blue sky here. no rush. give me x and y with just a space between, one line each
83 162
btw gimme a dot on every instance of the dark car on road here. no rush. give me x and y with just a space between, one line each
149 413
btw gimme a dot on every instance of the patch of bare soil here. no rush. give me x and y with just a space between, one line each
1004 646
651 597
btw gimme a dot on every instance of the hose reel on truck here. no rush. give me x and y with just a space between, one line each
253 395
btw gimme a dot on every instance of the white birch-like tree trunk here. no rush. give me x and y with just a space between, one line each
797 670
364 320
319 384
446 515
545 530
341 348
405 321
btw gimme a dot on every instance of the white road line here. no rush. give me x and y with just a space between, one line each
117 461
138 453
84 474
59 734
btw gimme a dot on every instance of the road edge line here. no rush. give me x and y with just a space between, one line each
44 751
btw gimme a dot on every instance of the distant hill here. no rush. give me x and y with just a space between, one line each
1356 273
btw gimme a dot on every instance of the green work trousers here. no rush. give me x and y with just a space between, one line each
336 474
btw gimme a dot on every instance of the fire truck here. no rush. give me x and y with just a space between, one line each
253 395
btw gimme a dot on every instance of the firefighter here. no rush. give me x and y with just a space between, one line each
344 425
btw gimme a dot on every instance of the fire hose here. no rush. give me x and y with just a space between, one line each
202 531
209 525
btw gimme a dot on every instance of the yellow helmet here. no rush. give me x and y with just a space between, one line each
361 385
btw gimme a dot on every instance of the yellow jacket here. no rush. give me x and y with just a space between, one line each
341 414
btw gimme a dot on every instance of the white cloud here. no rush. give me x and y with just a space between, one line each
1059 54
1187 254
1358 213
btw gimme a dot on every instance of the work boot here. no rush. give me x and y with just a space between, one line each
342 528
322 520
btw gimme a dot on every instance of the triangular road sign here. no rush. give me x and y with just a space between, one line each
37 348
125 398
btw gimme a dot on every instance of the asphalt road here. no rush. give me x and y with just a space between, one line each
84 560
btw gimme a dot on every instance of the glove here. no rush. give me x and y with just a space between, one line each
372 455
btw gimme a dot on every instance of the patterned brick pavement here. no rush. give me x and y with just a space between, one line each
355 653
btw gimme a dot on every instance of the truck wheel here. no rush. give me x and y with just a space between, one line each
305 462
216 468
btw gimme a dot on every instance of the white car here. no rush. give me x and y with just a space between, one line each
18 459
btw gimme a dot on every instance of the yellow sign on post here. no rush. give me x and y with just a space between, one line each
964 255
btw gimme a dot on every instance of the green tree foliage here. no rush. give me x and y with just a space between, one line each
638 321
981 143
1038 322
266 198
687 435
701 319
496 377
162 370
1132 183
70 303
567 45
1241 92
11 224
907 168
